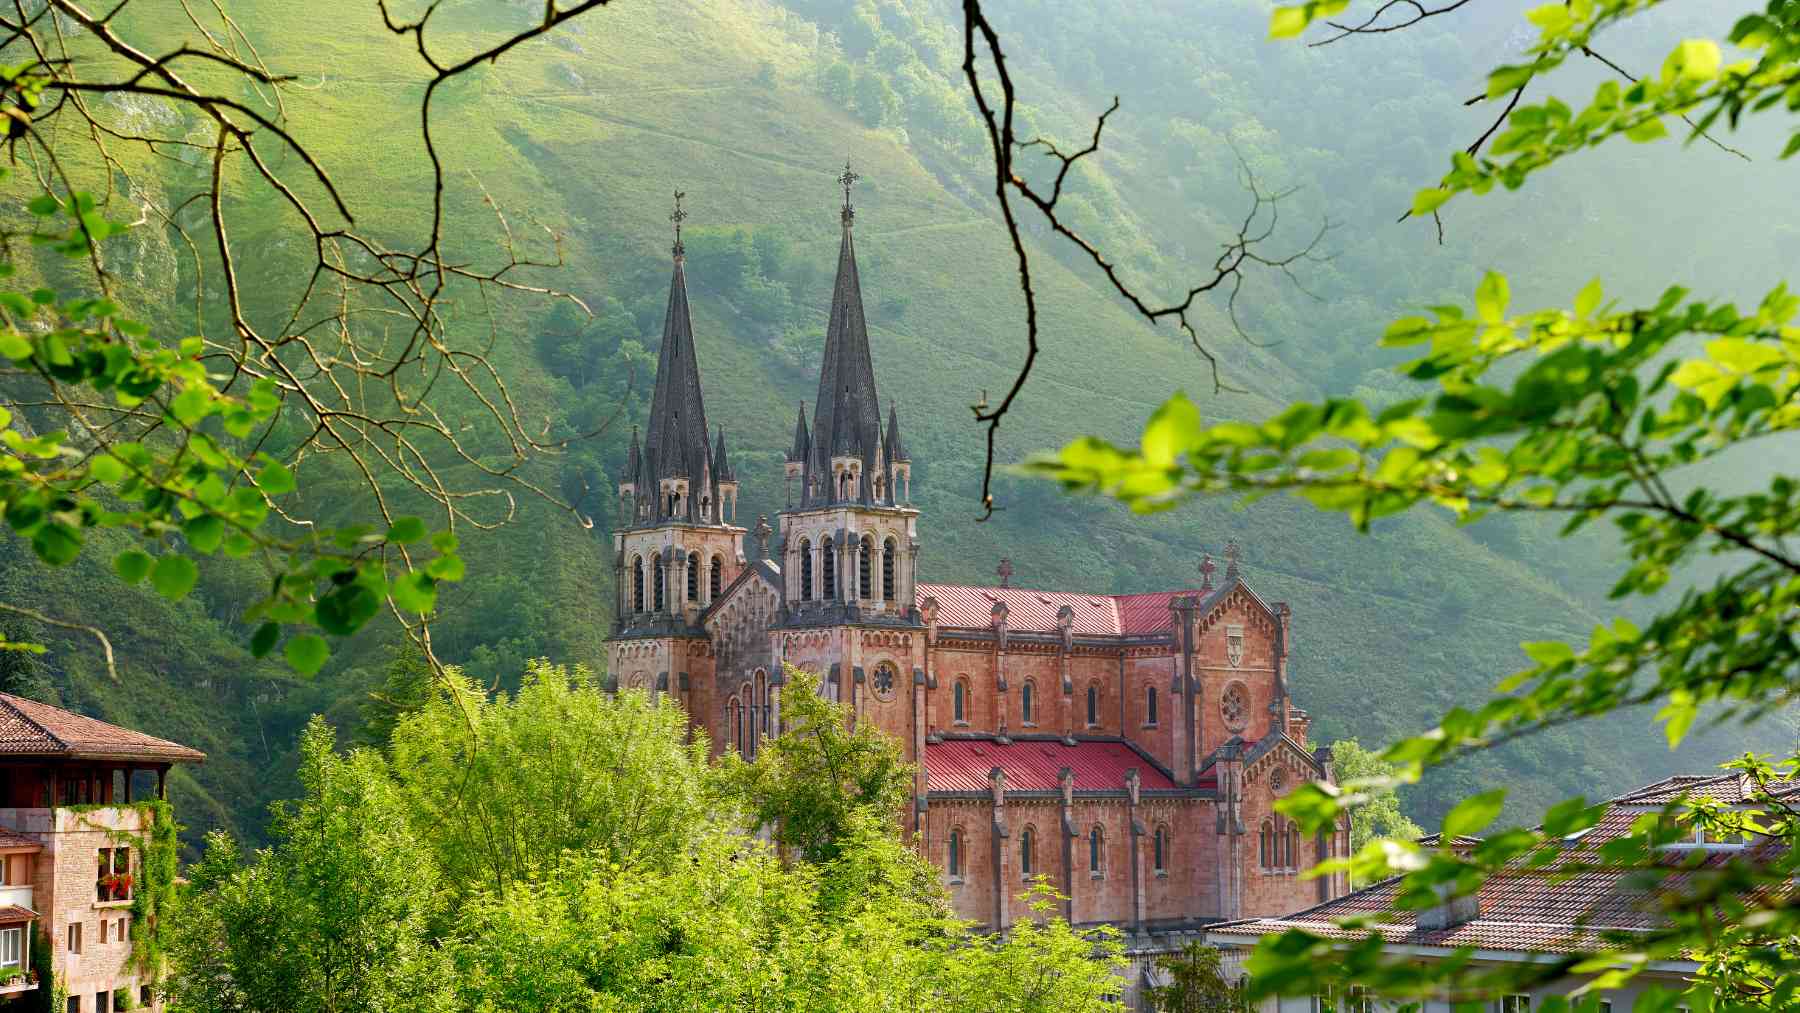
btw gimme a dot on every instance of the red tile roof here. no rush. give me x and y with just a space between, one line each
1036 765
12 840
30 728
14 913
1104 615
1527 909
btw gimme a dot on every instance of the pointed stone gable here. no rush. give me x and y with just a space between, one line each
847 417
896 450
676 445
722 470
802 440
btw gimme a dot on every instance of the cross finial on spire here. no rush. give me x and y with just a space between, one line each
1005 571
678 216
1207 566
1231 560
846 180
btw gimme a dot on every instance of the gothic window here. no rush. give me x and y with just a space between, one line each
1096 848
865 563
1026 839
956 857
762 693
693 577
1262 854
716 583
1293 851
657 565
1150 706
1026 692
732 732
1234 707
1161 849
960 702
885 677
827 550
1093 706
887 570
805 570
637 584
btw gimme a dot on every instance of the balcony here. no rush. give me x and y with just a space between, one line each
16 982
17 896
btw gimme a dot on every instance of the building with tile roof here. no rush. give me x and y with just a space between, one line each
1125 747
72 844
1530 912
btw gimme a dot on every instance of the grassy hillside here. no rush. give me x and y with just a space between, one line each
738 104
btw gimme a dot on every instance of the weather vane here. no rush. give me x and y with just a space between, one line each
845 181
678 216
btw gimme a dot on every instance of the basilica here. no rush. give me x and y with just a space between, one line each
1125 747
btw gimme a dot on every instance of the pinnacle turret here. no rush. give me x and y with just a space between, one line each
893 449
722 469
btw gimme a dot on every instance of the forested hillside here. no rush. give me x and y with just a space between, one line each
751 108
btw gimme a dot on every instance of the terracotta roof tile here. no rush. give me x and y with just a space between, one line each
1104 615
12 839
30 728
1036 765
15 913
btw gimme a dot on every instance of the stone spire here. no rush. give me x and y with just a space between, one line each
676 444
802 440
846 417
634 461
722 469
896 450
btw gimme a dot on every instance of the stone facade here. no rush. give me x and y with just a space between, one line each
1124 750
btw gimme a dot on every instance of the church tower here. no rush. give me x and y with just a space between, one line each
677 547
849 535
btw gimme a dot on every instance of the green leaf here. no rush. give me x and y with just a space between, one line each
1473 814
1548 652
307 653
1429 199
1588 299
56 544
107 468
445 567
14 345
132 565
406 530
1492 297
274 478
204 533
263 640
1170 430
43 204
174 576
191 405
415 592
1649 130
347 608
1693 60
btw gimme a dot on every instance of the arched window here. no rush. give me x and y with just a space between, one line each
1263 857
956 854
659 584
1093 705
827 550
1026 692
1150 706
693 577
805 570
1293 855
865 566
732 718
768 709
716 583
1161 849
637 584
1096 843
1026 840
888 555
960 702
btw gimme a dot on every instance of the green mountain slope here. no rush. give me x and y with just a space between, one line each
741 104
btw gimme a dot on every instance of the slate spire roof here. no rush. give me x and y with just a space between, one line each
676 444
895 450
802 440
722 470
634 462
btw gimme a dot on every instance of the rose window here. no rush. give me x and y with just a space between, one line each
1234 707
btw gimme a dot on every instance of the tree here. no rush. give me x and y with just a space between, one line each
1378 817
331 919
810 782
406 687
1601 411
1196 984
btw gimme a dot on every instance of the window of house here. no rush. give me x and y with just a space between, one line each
144 997
113 879
826 550
123 934
960 702
1027 840
12 953
658 584
887 570
693 578
865 569
74 937
806 570
637 584
1161 848
1263 857
716 583
1293 849
1095 845
1515 1004
956 856
1150 706
74 1004
1093 702
1026 692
